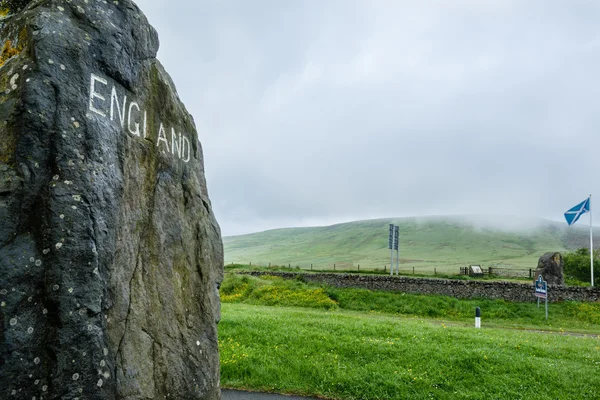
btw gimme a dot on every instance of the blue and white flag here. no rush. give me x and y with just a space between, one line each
574 213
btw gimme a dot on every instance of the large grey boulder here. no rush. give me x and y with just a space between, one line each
110 255
550 266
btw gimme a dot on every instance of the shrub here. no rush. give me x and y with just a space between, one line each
272 291
586 312
577 266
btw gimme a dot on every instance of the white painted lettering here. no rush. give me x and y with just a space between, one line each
185 145
115 98
133 118
135 132
175 143
162 136
96 95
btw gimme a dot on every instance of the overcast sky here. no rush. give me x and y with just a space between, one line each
313 112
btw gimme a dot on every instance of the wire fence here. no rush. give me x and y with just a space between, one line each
346 267
384 269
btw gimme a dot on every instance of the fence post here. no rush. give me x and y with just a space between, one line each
269 265
311 267
289 265
413 270
435 271
250 262
530 274
359 267
384 268
334 267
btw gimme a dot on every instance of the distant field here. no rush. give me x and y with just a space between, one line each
443 243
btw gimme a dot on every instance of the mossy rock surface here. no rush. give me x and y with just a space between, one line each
13 6
110 254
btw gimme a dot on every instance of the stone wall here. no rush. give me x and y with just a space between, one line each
509 291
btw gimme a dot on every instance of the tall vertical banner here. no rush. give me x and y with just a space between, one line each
396 246
391 247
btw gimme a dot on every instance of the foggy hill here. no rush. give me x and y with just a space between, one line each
444 242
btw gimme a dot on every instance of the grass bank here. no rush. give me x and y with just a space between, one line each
362 355
275 291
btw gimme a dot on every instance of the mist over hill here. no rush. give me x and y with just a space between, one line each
444 242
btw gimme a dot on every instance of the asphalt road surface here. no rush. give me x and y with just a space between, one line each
227 394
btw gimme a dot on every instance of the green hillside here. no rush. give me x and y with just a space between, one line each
444 243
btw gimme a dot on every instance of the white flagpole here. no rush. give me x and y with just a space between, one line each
591 242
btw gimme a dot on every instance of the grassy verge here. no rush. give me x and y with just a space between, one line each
571 316
356 355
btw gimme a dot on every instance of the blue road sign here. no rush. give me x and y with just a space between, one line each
541 288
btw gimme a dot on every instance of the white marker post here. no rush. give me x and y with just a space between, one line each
477 318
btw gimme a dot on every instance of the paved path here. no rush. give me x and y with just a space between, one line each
228 394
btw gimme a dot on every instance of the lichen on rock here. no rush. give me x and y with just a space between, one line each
12 6
110 254
550 267
7 52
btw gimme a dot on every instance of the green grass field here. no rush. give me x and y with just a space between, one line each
426 243
359 344
352 355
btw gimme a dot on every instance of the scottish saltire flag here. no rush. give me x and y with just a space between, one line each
574 213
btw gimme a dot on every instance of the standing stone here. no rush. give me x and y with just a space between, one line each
550 266
110 255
